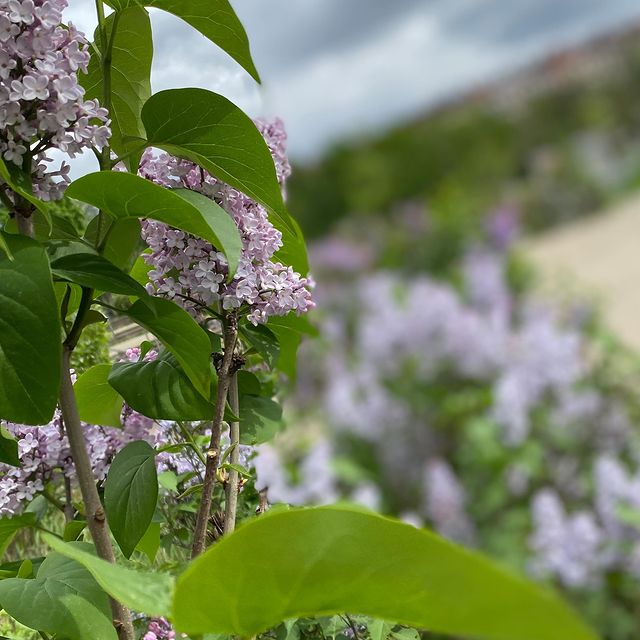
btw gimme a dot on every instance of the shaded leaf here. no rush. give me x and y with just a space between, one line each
96 272
260 419
30 334
131 494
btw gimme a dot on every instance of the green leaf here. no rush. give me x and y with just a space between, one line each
160 389
149 593
63 599
124 195
20 182
10 526
260 419
4 247
98 402
8 448
140 271
131 494
214 19
290 330
131 58
73 529
30 340
329 560
179 333
264 341
124 243
96 272
211 131
150 541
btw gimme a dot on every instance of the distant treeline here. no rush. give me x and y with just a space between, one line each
560 154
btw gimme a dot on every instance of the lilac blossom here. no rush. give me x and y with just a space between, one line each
567 547
42 105
185 268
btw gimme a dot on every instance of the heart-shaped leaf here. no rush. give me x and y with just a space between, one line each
131 494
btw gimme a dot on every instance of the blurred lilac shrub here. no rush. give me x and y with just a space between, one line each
466 404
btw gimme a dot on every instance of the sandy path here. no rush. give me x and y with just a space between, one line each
599 256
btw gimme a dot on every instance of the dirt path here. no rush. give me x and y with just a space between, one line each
600 257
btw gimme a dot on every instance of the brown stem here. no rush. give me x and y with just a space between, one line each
96 518
69 511
233 483
213 454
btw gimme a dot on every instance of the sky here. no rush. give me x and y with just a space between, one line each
338 69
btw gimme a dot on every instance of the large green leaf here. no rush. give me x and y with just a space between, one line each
63 599
131 58
131 494
30 334
214 19
98 402
124 195
149 593
96 272
211 131
160 389
329 560
120 239
179 333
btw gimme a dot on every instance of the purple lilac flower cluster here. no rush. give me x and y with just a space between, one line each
159 629
185 267
45 455
41 103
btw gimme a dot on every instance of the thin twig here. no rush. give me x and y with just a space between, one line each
233 483
213 454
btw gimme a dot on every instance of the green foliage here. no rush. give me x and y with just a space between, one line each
30 335
62 599
329 560
150 593
214 19
180 334
131 494
225 142
92 348
130 49
95 272
160 389
261 419
98 402
124 195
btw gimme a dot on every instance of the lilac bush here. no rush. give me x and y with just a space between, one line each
467 403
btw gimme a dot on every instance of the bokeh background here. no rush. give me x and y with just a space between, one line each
467 175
